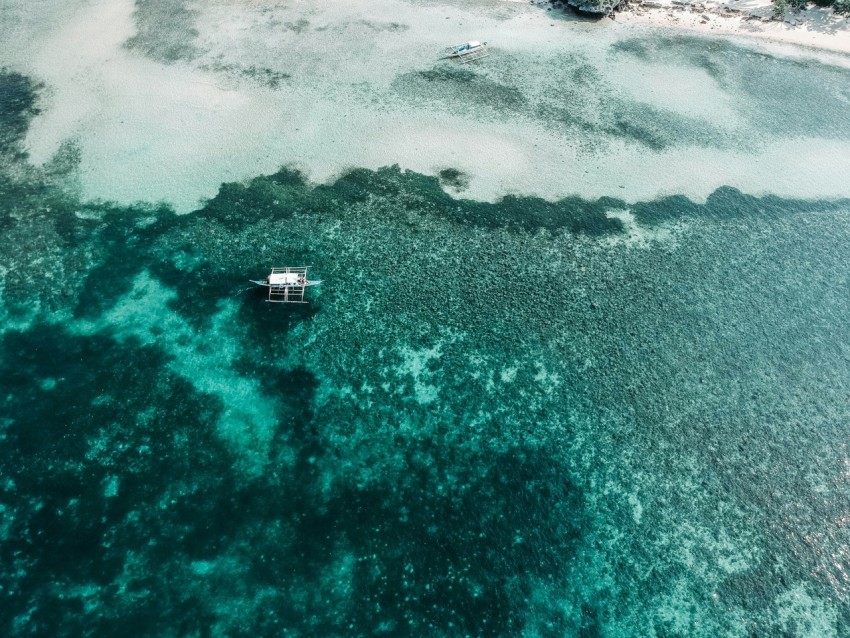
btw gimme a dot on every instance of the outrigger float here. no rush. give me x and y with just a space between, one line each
468 51
287 284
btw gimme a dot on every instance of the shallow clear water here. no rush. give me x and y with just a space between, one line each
585 417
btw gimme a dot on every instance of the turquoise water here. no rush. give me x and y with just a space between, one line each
528 417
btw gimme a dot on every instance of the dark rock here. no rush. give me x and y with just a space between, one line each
594 7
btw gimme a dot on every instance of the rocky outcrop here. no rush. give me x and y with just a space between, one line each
594 7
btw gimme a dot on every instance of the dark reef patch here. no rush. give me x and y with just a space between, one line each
18 105
263 76
714 56
634 426
452 85
268 77
443 533
389 27
453 178
117 490
287 193
585 100
575 95
660 129
165 30
730 204
92 487
299 26
779 103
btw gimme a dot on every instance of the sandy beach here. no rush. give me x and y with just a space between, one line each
815 27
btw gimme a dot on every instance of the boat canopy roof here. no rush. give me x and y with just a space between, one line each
283 279
473 43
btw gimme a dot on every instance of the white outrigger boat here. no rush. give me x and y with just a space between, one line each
468 51
287 284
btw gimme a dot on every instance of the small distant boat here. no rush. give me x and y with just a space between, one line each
287 284
468 51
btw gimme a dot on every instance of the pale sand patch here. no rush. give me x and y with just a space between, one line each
686 90
175 132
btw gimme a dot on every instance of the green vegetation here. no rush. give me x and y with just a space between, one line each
781 7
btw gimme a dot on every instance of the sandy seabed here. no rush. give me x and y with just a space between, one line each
249 88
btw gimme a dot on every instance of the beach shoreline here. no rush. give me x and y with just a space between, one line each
814 27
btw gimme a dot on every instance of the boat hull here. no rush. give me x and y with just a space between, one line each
268 285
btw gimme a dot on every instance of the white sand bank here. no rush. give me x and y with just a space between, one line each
356 91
